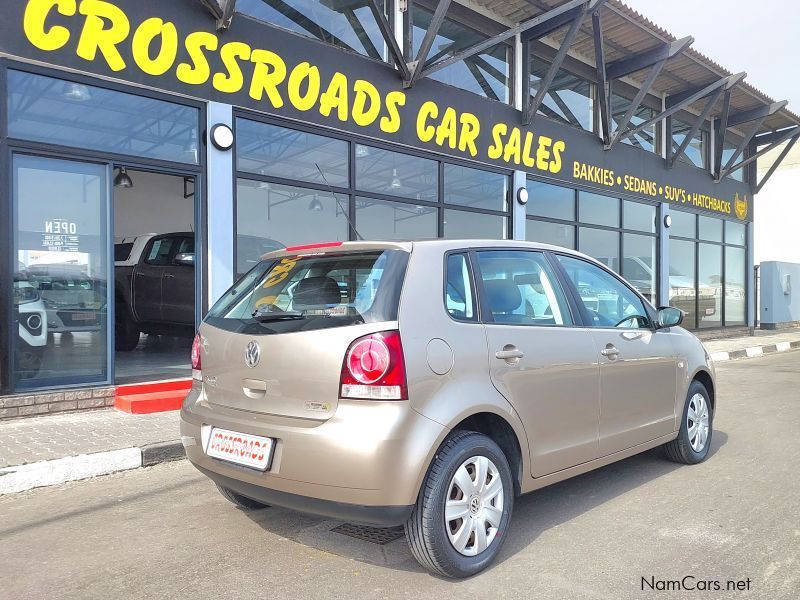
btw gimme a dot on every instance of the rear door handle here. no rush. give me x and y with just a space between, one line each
169 276
510 353
610 351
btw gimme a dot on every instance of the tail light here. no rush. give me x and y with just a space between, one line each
374 368
197 361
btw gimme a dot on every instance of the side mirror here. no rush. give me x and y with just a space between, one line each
669 316
185 259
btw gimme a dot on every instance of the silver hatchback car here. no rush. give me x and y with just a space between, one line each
428 384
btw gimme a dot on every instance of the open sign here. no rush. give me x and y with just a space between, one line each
60 226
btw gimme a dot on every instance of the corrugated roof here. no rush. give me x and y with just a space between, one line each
628 32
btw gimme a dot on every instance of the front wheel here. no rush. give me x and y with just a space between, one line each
694 438
126 333
462 514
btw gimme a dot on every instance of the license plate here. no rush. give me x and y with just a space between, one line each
241 448
710 311
84 316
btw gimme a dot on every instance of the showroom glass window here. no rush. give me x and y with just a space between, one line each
65 113
345 24
646 139
728 149
695 153
569 99
708 270
296 187
487 73
619 233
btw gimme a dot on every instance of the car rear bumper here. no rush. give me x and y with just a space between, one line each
364 464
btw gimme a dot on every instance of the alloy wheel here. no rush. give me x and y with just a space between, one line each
697 422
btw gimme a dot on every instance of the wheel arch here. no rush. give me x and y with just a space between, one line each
704 377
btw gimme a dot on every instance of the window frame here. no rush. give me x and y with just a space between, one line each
476 320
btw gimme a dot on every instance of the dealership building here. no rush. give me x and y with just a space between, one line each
178 141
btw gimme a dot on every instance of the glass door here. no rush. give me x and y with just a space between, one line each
62 272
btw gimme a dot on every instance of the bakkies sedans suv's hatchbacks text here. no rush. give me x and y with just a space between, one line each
429 384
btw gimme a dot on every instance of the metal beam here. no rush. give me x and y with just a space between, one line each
547 27
391 41
604 92
722 131
742 145
777 163
571 7
755 113
681 96
415 67
787 134
622 126
724 82
695 127
637 62
221 10
763 139
544 84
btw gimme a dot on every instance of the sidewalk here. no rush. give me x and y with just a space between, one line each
53 449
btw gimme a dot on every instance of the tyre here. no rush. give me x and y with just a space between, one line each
463 510
242 502
126 333
28 360
694 438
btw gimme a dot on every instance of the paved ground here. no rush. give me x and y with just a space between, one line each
164 532
761 338
24 441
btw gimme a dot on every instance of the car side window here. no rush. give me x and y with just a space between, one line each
608 301
520 288
459 296
160 251
186 246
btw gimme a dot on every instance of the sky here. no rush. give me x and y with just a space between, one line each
756 36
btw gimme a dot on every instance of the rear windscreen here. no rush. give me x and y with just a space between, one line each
122 251
301 293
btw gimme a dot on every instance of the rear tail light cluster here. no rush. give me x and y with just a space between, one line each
197 361
374 368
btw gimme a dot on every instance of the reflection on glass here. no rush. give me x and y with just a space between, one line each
684 224
379 220
475 188
695 153
646 138
459 224
735 282
271 216
735 233
346 24
601 245
682 293
638 216
557 234
598 210
487 74
710 229
290 154
553 201
60 286
709 278
639 263
396 174
59 112
569 98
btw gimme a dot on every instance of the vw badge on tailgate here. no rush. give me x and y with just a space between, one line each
252 354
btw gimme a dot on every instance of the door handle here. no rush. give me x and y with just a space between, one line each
169 276
254 388
510 353
610 351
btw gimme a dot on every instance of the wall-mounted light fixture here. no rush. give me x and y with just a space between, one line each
222 137
522 196
123 180
667 221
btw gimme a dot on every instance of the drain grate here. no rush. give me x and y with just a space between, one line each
376 535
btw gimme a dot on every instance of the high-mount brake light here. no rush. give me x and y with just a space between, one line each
313 246
374 368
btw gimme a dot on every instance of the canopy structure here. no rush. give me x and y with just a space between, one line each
621 45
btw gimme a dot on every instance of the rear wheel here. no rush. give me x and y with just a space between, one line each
461 516
28 360
126 333
242 502
694 438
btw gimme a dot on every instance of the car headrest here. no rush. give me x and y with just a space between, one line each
528 279
316 292
503 295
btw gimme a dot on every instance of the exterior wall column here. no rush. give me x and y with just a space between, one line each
220 214
662 259
520 179
750 277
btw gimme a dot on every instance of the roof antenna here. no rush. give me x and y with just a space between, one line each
339 204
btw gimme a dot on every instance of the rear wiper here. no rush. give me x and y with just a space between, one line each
263 315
